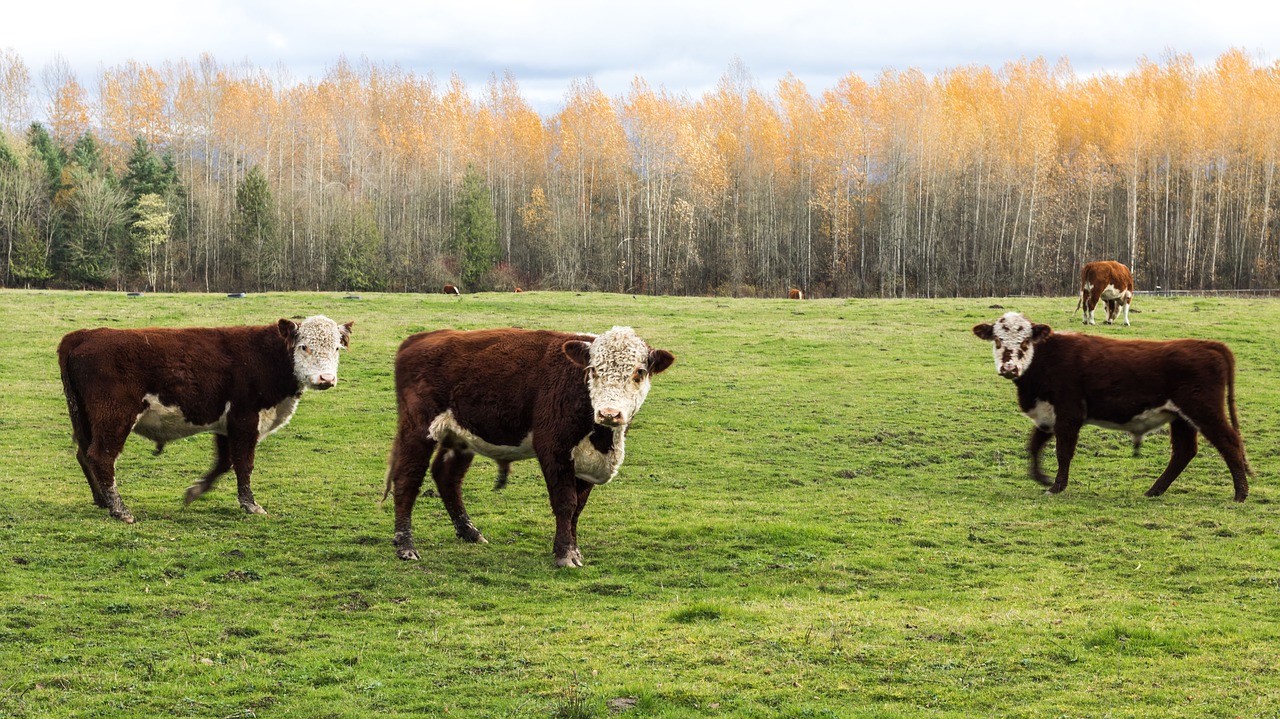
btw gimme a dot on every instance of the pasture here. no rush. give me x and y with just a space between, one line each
824 511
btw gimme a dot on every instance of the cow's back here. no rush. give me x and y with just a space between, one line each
494 381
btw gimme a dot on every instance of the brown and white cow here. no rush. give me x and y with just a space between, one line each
512 394
1109 281
795 294
450 290
240 383
1182 383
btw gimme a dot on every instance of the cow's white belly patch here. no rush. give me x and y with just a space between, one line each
592 465
1042 415
589 464
163 423
1144 422
445 429
1111 293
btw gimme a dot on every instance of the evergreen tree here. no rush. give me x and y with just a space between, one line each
358 265
475 230
255 230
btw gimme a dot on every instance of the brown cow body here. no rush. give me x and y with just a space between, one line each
450 290
1184 383
510 394
1110 282
240 383
795 294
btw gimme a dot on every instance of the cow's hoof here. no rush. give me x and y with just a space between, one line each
124 516
408 553
193 493
1054 489
572 559
1241 497
1041 478
252 508
469 533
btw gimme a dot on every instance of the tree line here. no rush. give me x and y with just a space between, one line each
974 181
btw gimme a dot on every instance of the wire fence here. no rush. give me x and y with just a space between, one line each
1208 293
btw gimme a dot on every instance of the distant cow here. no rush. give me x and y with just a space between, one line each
1183 383
1109 281
518 290
450 290
512 394
240 383
795 294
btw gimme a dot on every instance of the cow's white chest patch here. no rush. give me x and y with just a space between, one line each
1143 422
162 423
446 430
273 418
1042 415
592 465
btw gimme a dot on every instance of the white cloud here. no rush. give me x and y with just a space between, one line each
680 45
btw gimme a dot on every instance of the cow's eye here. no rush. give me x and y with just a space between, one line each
641 373
304 348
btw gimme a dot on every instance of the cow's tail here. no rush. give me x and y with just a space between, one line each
80 427
1079 303
391 464
1231 400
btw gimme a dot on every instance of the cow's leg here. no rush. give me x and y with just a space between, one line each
562 490
448 469
584 491
410 457
1066 432
504 473
82 456
1035 446
221 464
242 442
1182 441
1127 300
1091 305
107 443
1213 424
1111 311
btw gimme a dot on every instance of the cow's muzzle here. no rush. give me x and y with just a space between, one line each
324 381
610 417
1010 371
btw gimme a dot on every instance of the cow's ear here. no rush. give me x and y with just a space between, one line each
1040 333
984 331
344 333
578 352
288 328
660 360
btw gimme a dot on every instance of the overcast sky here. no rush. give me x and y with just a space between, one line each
683 46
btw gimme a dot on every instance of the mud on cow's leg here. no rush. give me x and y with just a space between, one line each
101 459
221 464
410 457
562 490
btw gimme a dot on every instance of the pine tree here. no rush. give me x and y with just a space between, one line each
255 227
475 230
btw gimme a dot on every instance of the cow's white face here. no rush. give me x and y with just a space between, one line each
1015 339
618 367
315 343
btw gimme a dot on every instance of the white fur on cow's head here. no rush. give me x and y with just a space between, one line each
314 344
618 367
1015 339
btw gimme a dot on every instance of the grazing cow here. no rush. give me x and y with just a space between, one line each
512 394
450 289
240 383
794 294
1182 383
1109 281
518 290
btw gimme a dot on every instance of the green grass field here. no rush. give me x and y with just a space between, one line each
825 511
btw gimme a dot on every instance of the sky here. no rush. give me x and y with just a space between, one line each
678 45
